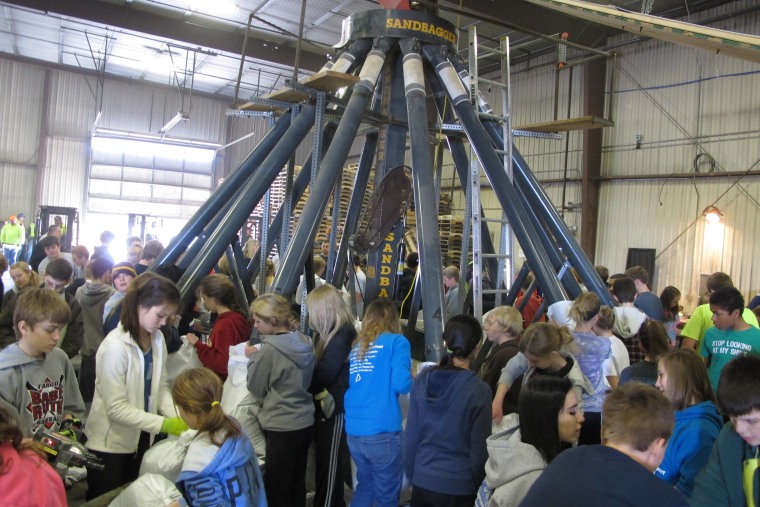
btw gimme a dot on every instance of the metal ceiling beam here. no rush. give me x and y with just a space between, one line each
529 19
129 18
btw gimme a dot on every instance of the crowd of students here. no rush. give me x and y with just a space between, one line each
596 405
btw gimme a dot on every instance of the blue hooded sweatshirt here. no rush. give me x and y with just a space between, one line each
232 478
695 430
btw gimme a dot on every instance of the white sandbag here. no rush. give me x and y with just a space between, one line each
166 457
148 490
184 359
237 402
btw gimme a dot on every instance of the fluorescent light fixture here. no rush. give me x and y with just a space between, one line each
180 116
712 214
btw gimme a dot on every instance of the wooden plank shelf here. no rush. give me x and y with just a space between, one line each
325 81
581 123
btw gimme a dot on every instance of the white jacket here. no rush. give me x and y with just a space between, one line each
118 414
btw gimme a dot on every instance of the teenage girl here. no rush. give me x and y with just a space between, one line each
380 369
593 352
220 455
449 421
131 385
544 350
620 358
549 421
25 476
334 325
671 305
231 326
279 374
23 278
682 378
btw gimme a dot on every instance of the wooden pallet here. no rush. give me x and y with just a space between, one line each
326 81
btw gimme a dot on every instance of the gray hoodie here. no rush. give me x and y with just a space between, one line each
40 390
279 374
92 296
628 320
512 466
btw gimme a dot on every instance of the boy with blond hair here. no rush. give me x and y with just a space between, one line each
503 327
37 381
637 422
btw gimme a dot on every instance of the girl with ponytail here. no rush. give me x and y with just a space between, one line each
220 454
449 422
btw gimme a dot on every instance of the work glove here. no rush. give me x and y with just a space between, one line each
173 426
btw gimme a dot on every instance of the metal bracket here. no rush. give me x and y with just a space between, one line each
539 135
239 112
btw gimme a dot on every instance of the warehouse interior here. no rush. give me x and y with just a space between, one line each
91 85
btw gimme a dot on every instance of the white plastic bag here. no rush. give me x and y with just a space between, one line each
148 490
237 402
166 457
184 359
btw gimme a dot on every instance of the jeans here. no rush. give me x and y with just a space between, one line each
379 470
10 251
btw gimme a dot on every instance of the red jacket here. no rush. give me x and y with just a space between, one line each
229 329
530 310
27 480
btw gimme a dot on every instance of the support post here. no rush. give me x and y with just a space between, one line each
593 100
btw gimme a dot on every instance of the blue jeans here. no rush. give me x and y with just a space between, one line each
10 253
379 470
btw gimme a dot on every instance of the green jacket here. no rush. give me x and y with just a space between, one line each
12 234
720 481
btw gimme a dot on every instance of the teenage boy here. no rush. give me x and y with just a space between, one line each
92 297
646 300
637 422
701 320
730 477
731 335
36 378
57 276
52 247
451 284
150 253
628 318
503 327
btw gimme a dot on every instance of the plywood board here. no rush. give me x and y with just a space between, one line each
738 45
326 81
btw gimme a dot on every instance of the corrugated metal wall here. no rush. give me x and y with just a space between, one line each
683 102
72 107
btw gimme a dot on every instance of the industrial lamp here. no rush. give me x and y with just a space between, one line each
712 214
179 117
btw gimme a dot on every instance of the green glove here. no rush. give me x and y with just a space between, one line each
173 426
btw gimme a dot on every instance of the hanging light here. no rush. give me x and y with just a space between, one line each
712 214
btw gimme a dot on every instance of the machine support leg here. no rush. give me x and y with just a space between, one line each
499 178
428 237
250 194
287 277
